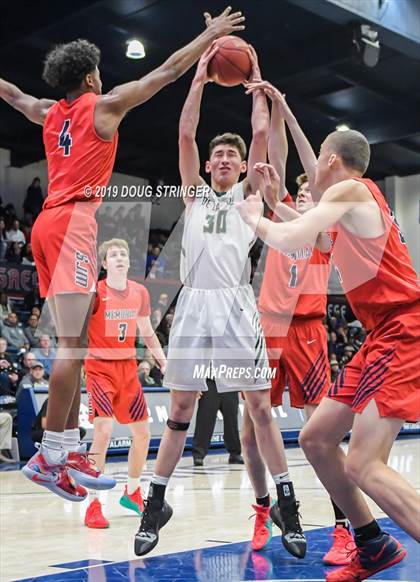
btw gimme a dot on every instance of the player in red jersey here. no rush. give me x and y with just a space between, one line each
112 382
292 304
80 138
379 389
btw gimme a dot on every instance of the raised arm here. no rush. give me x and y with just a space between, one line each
121 99
289 236
278 147
189 159
304 148
34 109
151 341
260 121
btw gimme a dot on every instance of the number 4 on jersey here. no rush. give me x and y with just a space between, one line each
65 141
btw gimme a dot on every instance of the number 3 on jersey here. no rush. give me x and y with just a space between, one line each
293 275
122 329
65 141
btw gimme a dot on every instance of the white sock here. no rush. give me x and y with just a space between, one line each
52 444
71 440
281 478
160 480
132 484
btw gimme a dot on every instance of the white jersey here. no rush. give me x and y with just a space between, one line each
216 241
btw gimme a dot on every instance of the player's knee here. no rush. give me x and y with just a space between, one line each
358 468
261 413
103 432
182 410
311 444
248 439
142 436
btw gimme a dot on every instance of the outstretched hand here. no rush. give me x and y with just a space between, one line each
273 93
201 74
251 209
225 23
271 189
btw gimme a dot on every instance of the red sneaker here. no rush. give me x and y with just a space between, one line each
342 548
53 476
263 529
133 501
94 517
374 556
83 470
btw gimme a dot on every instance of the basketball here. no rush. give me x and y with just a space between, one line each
231 65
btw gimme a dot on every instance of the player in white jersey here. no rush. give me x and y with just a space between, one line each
216 330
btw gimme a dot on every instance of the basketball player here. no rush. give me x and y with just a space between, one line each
112 382
80 137
292 305
216 322
379 389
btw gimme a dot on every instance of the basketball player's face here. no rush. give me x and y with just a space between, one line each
225 166
324 168
117 261
304 200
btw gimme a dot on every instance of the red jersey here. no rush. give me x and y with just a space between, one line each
113 325
376 274
77 157
295 284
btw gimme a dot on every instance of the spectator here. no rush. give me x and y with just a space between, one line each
144 374
27 256
9 214
15 234
335 369
36 311
35 378
13 333
27 227
3 240
30 331
14 253
39 424
6 427
349 351
162 303
9 380
26 362
5 307
332 344
45 353
34 199
152 257
4 354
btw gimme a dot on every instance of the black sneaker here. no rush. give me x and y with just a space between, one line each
235 460
287 519
198 461
151 522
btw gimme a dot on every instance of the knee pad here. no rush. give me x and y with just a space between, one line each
174 425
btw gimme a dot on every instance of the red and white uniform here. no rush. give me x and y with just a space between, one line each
381 286
292 304
64 234
111 368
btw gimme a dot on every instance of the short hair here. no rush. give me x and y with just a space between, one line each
352 147
113 242
230 139
67 65
301 179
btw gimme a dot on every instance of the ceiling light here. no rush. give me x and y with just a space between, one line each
135 49
366 42
342 127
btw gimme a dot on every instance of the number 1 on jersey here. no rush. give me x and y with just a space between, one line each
65 141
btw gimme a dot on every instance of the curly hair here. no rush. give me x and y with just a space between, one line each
67 64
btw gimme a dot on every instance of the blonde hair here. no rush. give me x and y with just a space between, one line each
113 242
301 179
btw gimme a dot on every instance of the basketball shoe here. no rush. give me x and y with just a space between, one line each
372 557
94 517
153 519
340 552
286 518
133 501
83 470
53 476
263 528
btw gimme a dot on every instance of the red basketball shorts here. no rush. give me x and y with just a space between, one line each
64 248
114 390
386 368
300 358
